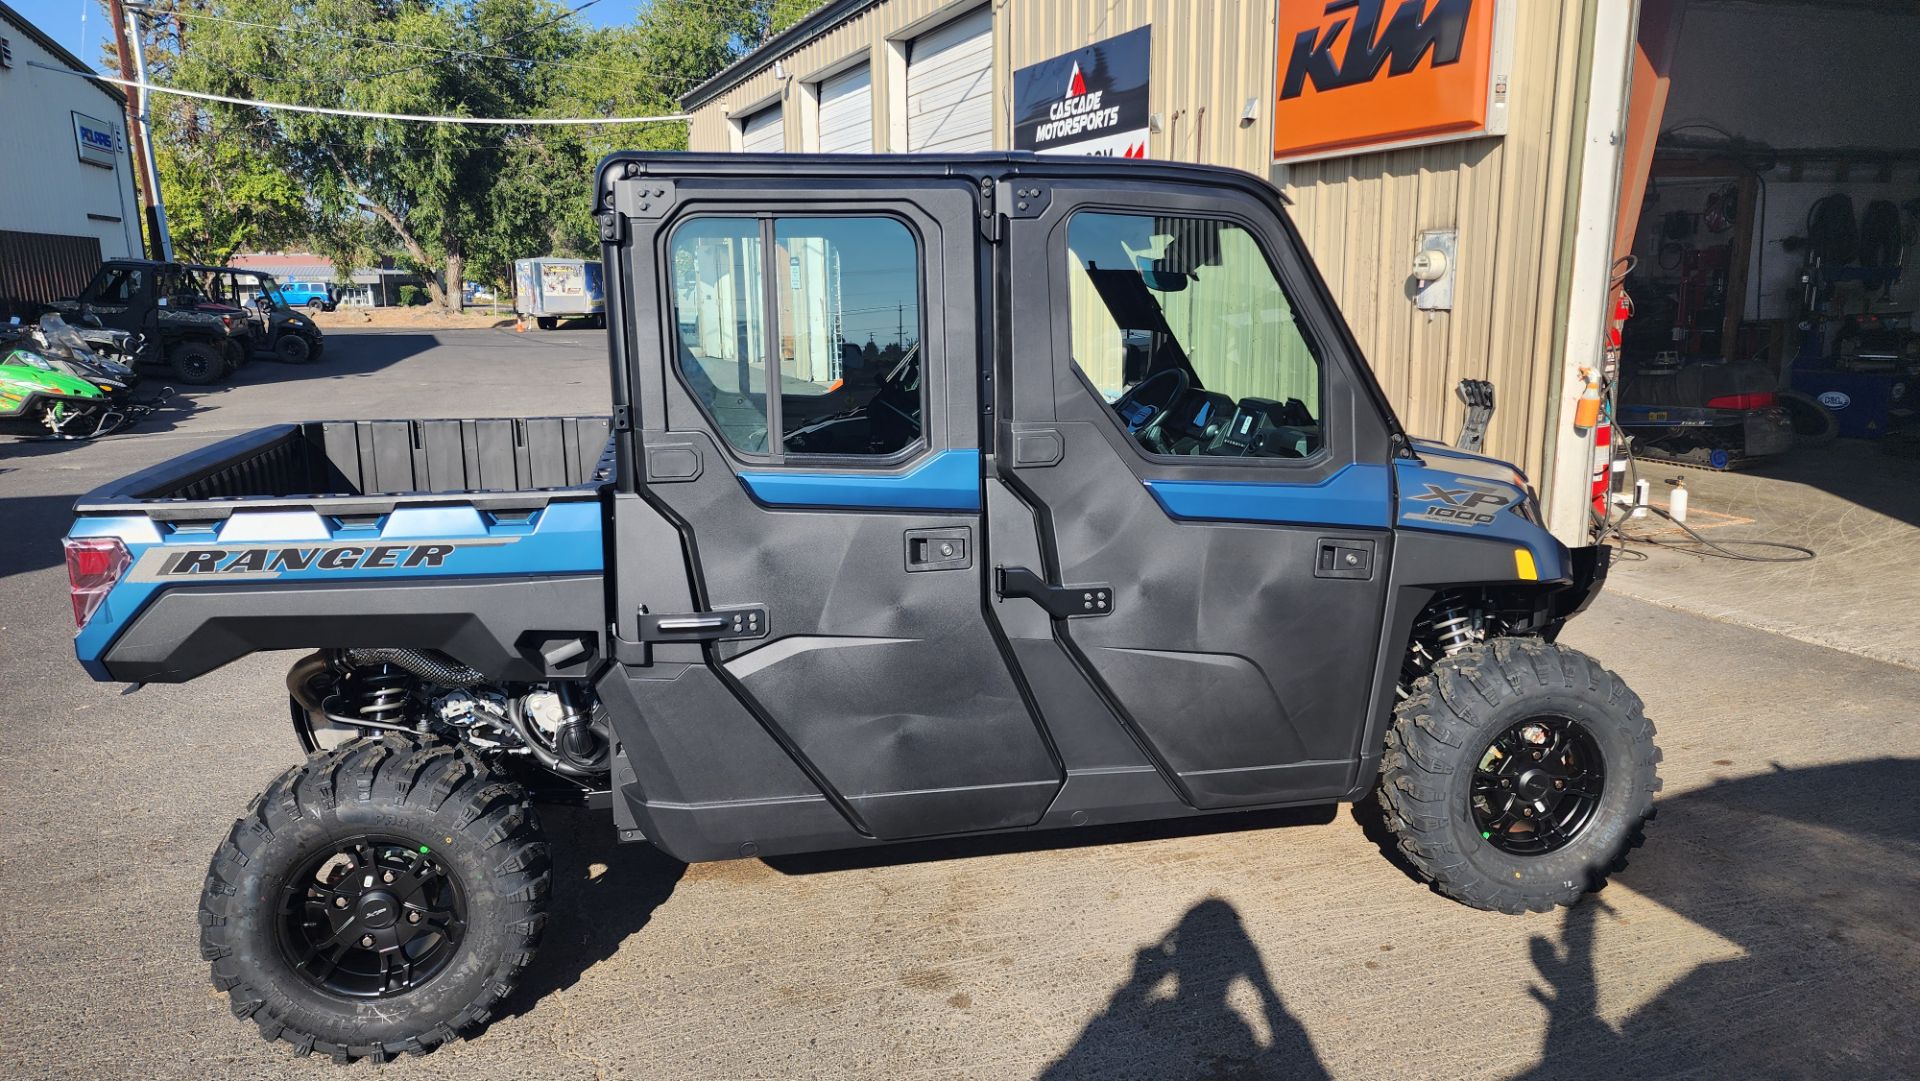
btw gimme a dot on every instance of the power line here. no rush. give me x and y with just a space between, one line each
510 121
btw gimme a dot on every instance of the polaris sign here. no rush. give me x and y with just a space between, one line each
95 140
1090 101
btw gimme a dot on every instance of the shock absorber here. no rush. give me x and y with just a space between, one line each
377 695
1454 629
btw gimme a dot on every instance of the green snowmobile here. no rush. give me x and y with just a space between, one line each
52 386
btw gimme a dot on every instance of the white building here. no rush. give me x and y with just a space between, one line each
67 199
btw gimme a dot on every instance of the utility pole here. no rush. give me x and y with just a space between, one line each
139 131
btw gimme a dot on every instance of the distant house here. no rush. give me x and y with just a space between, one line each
366 287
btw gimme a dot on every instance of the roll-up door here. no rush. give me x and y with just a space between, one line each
950 86
846 112
763 132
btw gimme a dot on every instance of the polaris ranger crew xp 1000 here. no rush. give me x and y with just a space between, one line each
937 496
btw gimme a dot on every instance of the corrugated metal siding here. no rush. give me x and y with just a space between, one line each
1362 217
36 268
1208 60
877 34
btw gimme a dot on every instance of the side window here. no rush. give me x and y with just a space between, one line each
120 287
842 337
1183 327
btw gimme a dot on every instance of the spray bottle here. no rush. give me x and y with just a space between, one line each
1586 412
1677 503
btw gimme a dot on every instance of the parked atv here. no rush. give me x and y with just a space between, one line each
53 386
277 330
202 342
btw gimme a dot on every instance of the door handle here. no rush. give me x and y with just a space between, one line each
1343 557
946 549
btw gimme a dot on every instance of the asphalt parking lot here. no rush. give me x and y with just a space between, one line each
1767 930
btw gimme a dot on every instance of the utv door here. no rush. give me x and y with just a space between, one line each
1207 481
813 432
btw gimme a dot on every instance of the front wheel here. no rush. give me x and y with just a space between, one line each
1518 774
196 364
316 306
293 349
385 896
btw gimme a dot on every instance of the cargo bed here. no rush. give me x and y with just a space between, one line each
368 466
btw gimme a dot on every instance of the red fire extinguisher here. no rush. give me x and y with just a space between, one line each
1592 416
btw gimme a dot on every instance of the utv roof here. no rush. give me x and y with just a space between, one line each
995 165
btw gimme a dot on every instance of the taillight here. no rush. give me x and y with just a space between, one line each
1742 401
94 564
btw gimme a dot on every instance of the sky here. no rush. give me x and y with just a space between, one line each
61 20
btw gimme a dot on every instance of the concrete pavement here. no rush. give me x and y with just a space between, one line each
1767 929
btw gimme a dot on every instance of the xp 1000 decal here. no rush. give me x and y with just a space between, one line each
1464 502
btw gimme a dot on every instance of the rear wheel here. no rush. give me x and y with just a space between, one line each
1518 774
196 364
293 349
383 897
316 306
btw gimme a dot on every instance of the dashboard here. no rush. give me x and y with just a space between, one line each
1205 422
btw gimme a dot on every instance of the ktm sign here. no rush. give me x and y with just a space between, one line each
1371 74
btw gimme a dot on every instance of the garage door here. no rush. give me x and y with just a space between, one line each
950 86
763 132
846 112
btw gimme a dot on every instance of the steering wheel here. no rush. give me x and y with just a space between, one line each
1148 400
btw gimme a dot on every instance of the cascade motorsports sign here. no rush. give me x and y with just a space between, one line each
1359 76
1089 101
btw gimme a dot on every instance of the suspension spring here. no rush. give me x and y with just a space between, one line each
381 694
1454 629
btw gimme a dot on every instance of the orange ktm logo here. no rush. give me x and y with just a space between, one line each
1355 74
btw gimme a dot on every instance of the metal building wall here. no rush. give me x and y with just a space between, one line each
1362 216
877 34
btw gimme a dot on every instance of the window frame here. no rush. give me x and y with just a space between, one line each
1314 346
775 456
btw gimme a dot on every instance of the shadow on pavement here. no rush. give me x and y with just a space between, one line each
1173 1018
30 530
603 892
348 352
1814 874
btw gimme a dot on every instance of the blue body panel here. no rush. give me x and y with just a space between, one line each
1357 496
1452 491
947 481
562 538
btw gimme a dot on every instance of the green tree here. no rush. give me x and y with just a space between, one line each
451 202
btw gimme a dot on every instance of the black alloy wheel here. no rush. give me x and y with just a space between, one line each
1537 786
372 918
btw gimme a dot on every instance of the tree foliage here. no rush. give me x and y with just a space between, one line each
452 202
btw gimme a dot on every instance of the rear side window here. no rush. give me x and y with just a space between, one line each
832 320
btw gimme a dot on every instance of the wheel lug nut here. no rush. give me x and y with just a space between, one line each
388 877
413 917
367 940
1528 811
1559 784
339 902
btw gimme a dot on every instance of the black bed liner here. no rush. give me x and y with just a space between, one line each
370 466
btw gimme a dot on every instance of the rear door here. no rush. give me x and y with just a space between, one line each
1208 483
814 431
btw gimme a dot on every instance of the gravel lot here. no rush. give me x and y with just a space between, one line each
1767 930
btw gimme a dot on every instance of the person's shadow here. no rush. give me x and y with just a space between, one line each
1173 1020
603 892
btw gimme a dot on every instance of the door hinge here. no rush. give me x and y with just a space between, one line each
1060 602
